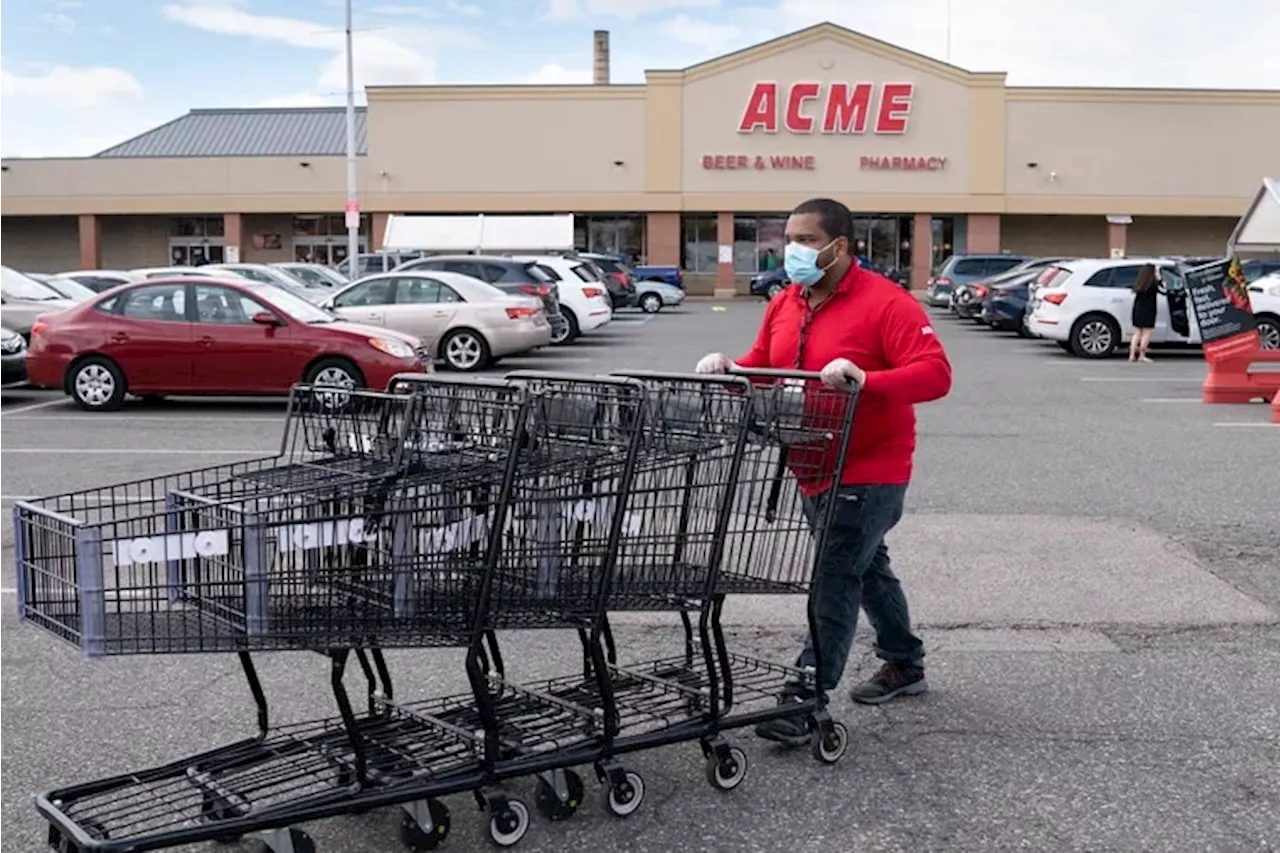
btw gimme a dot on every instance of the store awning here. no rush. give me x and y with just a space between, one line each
479 233
1258 231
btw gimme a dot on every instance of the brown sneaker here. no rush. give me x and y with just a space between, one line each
890 681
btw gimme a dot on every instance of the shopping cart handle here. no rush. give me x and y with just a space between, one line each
773 373
438 379
582 378
666 376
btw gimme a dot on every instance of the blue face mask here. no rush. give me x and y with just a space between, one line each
801 264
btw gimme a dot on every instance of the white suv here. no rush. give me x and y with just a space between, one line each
1087 306
584 299
1264 296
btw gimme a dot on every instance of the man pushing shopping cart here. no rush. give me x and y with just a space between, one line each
858 329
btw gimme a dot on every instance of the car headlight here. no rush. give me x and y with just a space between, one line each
395 349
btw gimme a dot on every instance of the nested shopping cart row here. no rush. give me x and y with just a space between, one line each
444 513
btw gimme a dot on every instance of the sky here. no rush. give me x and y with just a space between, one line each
81 75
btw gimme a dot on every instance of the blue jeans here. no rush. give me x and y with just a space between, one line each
854 572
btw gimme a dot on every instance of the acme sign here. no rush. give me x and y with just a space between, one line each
851 108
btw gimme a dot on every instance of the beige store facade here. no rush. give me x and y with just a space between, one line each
695 167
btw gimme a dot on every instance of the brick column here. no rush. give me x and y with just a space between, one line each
921 250
233 231
90 242
983 234
662 240
377 230
724 271
1117 238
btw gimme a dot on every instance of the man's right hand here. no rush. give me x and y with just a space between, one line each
716 362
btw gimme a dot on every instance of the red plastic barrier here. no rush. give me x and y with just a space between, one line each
1232 377
1275 409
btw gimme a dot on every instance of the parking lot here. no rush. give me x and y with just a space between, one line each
1091 553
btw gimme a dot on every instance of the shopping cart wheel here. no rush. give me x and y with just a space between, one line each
559 805
59 842
508 825
726 772
624 796
829 742
417 837
293 840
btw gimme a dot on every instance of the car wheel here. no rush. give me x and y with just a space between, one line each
572 329
96 384
651 303
465 351
774 290
1065 345
1268 331
1095 336
337 373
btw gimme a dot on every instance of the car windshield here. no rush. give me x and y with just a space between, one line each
15 285
293 305
69 287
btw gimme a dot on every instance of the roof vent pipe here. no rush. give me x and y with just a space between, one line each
600 58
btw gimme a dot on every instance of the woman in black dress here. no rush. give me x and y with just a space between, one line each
1145 291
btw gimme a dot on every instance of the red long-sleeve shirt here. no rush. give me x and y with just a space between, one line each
885 331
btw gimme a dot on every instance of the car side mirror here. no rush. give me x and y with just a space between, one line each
266 318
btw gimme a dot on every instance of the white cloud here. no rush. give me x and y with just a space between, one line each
389 55
60 21
626 10
92 87
298 99
467 10
707 34
558 75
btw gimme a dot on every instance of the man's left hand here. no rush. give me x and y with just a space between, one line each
843 373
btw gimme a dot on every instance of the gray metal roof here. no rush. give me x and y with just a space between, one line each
291 132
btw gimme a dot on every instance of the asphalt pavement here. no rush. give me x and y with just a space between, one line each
1092 554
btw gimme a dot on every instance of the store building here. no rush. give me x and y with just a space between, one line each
695 167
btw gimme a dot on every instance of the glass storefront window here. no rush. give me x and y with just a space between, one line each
611 234
698 236
944 235
757 242
196 226
322 238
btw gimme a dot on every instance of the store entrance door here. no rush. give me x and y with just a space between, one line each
196 252
880 240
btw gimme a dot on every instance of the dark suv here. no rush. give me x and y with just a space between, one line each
618 278
370 263
522 278
962 269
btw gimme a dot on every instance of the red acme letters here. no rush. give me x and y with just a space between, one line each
847 108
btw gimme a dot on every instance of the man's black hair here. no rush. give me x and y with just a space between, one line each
834 218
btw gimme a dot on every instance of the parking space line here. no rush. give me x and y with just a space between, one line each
1248 424
90 417
1172 400
137 451
1141 378
61 401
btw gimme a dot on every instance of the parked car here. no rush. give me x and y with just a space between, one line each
510 276
584 299
315 274
1087 306
100 280
1264 296
463 321
967 297
959 269
13 358
1004 305
67 288
769 283
617 277
653 296
1256 268
200 335
267 274
23 299
184 272
375 262
672 275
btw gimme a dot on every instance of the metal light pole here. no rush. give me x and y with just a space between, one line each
352 212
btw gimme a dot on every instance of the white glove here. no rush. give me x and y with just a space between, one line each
842 373
716 362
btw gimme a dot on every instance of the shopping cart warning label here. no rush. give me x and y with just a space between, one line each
173 546
324 534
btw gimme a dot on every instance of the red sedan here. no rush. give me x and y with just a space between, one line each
207 336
